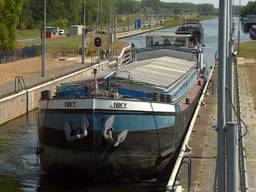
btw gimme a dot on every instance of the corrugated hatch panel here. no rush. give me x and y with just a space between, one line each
160 72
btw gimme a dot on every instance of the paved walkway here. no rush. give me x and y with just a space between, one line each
203 140
136 32
30 70
249 116
203 146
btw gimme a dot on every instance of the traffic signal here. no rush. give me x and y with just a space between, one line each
97 42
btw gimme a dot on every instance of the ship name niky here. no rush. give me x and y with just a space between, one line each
117 105
70 104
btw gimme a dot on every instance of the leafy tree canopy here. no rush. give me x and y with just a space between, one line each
28 14
249 9
9 18
61 11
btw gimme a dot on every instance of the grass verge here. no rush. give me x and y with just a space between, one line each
180 20
28 33
72 44
251 71
248 50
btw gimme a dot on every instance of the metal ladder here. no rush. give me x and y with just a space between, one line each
19 83
185 160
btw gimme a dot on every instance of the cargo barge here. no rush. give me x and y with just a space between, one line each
193 28
127 124
253 32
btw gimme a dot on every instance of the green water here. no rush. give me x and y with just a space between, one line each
20 169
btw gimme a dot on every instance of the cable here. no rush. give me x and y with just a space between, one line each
239 118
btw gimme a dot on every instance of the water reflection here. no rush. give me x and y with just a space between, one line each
20 168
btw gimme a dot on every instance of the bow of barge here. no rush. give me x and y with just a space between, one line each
129 123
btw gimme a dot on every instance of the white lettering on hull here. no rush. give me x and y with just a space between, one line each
117 105
70 104
107 104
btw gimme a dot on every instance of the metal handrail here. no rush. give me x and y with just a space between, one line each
185 160
183 148
19 83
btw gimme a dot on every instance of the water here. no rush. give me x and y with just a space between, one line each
19 170
210 38
19 166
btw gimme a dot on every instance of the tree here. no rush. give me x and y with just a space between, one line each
10 12
249 9
26 20
206 9
73 9
66 12
154 4
91 12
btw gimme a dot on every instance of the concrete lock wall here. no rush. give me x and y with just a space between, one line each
27 100
12 107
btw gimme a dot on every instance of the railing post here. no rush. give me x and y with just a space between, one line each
232 157
222 57
185 160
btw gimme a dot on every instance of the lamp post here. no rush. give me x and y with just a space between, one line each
101 20
84 35
43 64
222 51
110 27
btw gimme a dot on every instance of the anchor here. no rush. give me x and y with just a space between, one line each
78 133
108 133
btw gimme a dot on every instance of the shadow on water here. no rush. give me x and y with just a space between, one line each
78 183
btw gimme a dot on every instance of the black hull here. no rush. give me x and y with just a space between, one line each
253 34
247 25
144 154
140 156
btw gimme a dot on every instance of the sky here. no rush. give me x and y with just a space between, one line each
214 2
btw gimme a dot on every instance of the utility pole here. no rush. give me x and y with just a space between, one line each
229 67
84 18
222 54
231 128
97 28
101 20
150 23
128 27
232 158
115 25
97 18
43 64
84 35
110 27
239 28
129 4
